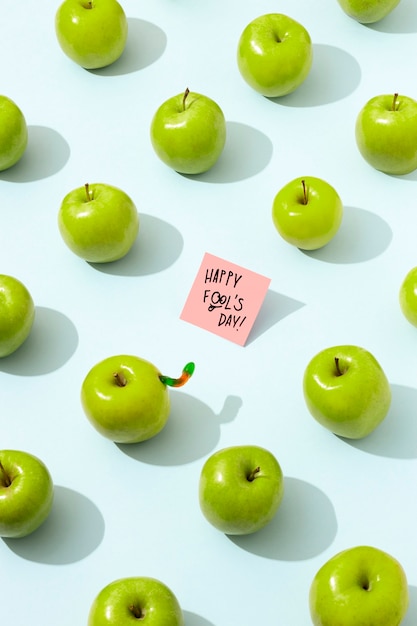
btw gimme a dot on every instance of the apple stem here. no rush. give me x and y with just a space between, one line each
187 372
137 613
338 370
120 379
395 102
253 474
88 192
186 92
4 478
305 194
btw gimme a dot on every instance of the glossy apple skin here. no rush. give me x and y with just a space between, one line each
189 138
408 296
13 133
274 54
150 598
125 414
386 133
92 37
102 229
358 587
368 11
230 501
17 314
310 224
27 501
352 404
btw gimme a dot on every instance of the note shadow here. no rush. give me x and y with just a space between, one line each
275 307
192 431
146 43
246 153
304 526
396 436
46 154
157 247
51 343
362 236
73 530
324 85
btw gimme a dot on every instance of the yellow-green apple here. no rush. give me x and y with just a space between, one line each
126 397
136 599
358 587
386 133
347 391
17 314
188 132
240 489
98 222
274 54
408 296
368 11
26 493
13 133
307 212
92 33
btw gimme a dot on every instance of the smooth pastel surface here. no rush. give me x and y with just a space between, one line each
359 586
133 510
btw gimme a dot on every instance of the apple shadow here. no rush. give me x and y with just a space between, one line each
157 247
396 436
305 525
362 236
323 84
246 153
51 343
411 617
192 619
192 431
275 307
402 20
73 530
46 154
146 43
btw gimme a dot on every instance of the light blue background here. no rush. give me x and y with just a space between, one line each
120 510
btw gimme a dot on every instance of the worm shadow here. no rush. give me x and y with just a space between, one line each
157 247
73 530
192 431
362 236
396 436
146 43
46 154
246 153
51 343
304 526
274 308
334 75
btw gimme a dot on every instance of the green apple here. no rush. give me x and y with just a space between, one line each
13 133
136 599
126 398
386 133
359 586
307 212
17 314
26 493
347 391
274 54
408 296
98 222
92 33
368 11
240 489
188 132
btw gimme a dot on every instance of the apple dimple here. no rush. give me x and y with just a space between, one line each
87 5
5 480
136 612
253 474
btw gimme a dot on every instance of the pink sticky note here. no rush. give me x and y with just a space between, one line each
225 299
